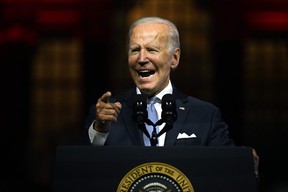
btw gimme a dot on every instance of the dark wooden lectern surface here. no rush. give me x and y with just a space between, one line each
103 169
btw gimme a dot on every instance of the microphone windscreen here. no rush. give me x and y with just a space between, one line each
169 114
140 99
168 102
140 114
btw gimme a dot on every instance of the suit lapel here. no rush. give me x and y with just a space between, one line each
182 109
135 134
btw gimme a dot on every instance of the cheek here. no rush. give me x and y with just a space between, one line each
165 62
132 60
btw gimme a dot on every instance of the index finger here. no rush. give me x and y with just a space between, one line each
105 97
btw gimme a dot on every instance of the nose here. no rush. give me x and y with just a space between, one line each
142 60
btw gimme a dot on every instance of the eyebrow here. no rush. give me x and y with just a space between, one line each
134 46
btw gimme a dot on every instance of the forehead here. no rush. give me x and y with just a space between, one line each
146 31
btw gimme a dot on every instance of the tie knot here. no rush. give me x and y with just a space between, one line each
153 100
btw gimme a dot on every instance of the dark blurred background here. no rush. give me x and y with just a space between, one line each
58 56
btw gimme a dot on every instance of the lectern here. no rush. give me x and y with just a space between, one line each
134 168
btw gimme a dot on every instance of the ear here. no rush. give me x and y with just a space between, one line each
176 58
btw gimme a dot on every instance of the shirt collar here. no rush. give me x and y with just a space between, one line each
167 90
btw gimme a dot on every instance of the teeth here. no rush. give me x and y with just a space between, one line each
144 71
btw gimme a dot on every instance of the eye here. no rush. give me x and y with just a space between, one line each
134 50
152 50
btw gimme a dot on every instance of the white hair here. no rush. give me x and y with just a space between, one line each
174 41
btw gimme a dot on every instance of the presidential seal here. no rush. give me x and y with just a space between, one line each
155 177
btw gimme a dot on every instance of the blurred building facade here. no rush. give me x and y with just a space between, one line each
59 56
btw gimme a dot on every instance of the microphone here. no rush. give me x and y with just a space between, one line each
169 113
140 114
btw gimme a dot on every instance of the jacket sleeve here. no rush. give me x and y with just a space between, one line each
84 138
219 135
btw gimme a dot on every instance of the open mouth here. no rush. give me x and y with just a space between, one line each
146 73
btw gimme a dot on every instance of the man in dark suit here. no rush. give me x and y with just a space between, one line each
198 123
154 52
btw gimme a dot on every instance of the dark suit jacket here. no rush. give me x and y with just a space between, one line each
193 116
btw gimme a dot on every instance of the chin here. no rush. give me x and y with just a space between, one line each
146 90
146 87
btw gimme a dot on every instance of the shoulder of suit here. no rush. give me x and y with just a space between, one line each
184 98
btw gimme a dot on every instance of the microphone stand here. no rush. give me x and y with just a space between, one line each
154 135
